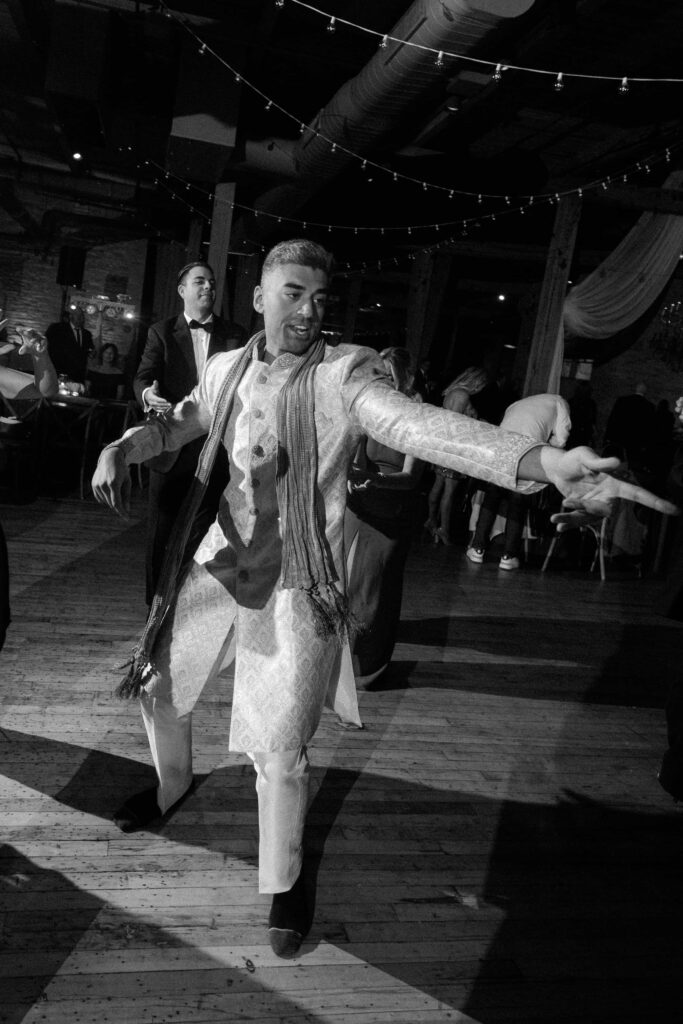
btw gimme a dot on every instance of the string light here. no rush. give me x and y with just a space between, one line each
498 73
384 229
349 153
559 83
332 27
623 88
439 62
384 42
202 49
269 104
279 3
480 61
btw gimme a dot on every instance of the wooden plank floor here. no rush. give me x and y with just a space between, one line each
493 847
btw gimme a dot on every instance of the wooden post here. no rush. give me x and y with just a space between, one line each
551 300
246 279
351 311
427 285
194 239
219 245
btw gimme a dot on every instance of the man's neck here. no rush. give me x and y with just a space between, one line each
199 317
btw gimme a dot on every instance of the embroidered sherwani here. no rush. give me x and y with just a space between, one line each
232 601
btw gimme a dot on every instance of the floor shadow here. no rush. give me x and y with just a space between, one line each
577 660
52 918
572 890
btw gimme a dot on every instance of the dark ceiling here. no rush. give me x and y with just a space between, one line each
124 84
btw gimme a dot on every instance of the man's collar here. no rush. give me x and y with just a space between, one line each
206 320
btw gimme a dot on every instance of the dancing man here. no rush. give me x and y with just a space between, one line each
266 583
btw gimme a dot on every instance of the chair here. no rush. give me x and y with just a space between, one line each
599 533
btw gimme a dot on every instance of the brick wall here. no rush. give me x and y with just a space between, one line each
31 296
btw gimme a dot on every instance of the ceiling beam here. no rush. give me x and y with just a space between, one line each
653 200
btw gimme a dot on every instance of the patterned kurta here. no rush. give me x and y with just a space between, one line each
232 601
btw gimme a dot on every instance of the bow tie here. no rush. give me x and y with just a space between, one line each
195 325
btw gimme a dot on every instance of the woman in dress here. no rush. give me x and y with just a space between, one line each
106 379
456 398
381 513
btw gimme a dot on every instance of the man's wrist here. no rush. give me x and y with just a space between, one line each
538 463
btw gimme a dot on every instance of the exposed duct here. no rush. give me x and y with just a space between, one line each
367 108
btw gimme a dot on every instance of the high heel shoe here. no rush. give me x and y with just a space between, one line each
441 537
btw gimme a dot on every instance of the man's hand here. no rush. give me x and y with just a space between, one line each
111 482
154 401
583 477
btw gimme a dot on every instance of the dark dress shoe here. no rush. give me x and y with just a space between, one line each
142 810
288 921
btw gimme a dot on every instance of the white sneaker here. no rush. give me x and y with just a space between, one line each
508 562
475 555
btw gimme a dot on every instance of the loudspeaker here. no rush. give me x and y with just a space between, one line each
71 264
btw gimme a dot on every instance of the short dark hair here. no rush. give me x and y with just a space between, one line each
300 251
189 266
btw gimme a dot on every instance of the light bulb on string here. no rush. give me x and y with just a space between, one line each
332 27
384 42
498 73
202 49
269 104
333 148
623 88
238 78
439 59
559 83
279 3
395 176
450 194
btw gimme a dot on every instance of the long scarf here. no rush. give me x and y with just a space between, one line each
306 557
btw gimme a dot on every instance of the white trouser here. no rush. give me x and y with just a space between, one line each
281 787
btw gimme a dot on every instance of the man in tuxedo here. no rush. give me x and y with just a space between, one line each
172 362
69 344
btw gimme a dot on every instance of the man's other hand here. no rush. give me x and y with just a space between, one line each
154 401
111 481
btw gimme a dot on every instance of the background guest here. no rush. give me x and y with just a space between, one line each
545 417
381 512
457 397
70 345
172 362
105 376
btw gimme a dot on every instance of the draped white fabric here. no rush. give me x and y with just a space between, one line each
620 290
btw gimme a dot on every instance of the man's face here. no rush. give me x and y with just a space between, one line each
198 292
292 300
76 317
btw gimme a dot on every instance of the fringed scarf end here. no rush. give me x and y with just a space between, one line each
133 683
332 615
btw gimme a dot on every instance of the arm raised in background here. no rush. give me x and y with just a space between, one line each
15 383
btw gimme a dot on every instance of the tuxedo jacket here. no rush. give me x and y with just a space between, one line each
168 357
66 354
